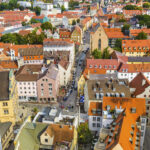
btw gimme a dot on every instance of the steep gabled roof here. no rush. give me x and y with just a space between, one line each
140 83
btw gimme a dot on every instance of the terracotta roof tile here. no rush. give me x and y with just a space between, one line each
123 127
135 45
95 106
115 33
61 133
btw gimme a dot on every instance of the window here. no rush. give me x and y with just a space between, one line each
5 104
6 111
42 84
94 118
142 134
43 80
46 80
98 125
98 119
142 127
50 85
28 83
94 124
46 140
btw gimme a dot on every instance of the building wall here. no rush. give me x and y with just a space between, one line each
95 123
7 137
95 37
135 54
74 141
104 39
117 147
47 89
145 94
48 138
26 90
64 75
76 36
62 48
9 108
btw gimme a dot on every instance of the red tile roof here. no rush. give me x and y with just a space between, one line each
140 83
114 33
106 64
135 45
135 32
123 128
95 106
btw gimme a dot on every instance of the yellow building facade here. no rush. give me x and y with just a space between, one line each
8 97
76 35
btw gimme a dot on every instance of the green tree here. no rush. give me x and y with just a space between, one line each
78 20
63 8
146 5
32 21
84 134
46 26
144 20
125 28
106 54
73 4
122 20
141 36
21 8
23 23
132 7
73 22
37 10
97 54
118 45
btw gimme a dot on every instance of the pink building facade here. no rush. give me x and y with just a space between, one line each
48 85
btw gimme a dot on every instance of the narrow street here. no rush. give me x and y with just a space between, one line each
72 98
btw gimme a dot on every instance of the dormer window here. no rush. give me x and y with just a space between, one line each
105 66
100 66
139 48
114 67
133 110
109 66
90 66
124 48
134 48
143 48
95 66
129 48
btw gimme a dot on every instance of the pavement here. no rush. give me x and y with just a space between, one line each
147 139
72 98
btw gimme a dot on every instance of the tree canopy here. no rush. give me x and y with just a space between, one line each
31 38
97 54
141 36
32 21
73 22
46 26
37 10
73 4
125 28
132 7
144 20
84 134
63 8
146 5
118 45
106 54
